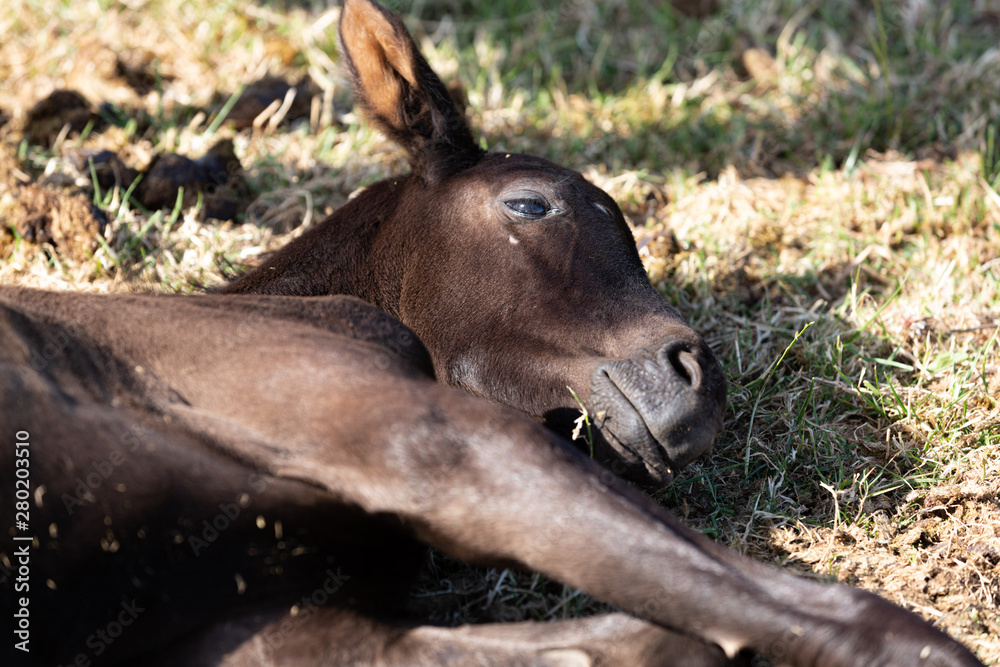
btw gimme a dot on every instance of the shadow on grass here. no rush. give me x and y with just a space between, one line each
810 412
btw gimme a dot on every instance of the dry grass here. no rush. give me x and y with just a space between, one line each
815 187
866 448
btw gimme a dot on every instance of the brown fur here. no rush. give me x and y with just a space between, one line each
161 427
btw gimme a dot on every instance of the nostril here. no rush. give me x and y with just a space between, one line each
686 365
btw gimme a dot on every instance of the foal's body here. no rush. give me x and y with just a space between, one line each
204 472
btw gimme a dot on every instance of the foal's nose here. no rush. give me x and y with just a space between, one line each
683 361
660 408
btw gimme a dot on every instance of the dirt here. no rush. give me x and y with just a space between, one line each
216 175
46 215
109 170
944 565
269 94
64 112
68 223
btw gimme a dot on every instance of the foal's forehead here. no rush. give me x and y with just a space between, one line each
514 165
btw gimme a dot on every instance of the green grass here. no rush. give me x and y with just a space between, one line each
814 185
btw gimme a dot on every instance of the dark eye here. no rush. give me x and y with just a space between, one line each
531 208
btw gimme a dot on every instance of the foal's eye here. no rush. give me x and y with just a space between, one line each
531 208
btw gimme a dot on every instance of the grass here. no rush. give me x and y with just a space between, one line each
814 185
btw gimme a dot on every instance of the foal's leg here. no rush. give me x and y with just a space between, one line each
486 486
330 636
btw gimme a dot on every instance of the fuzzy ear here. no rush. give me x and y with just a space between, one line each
400 93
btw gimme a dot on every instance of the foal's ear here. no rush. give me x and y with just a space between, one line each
401 94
